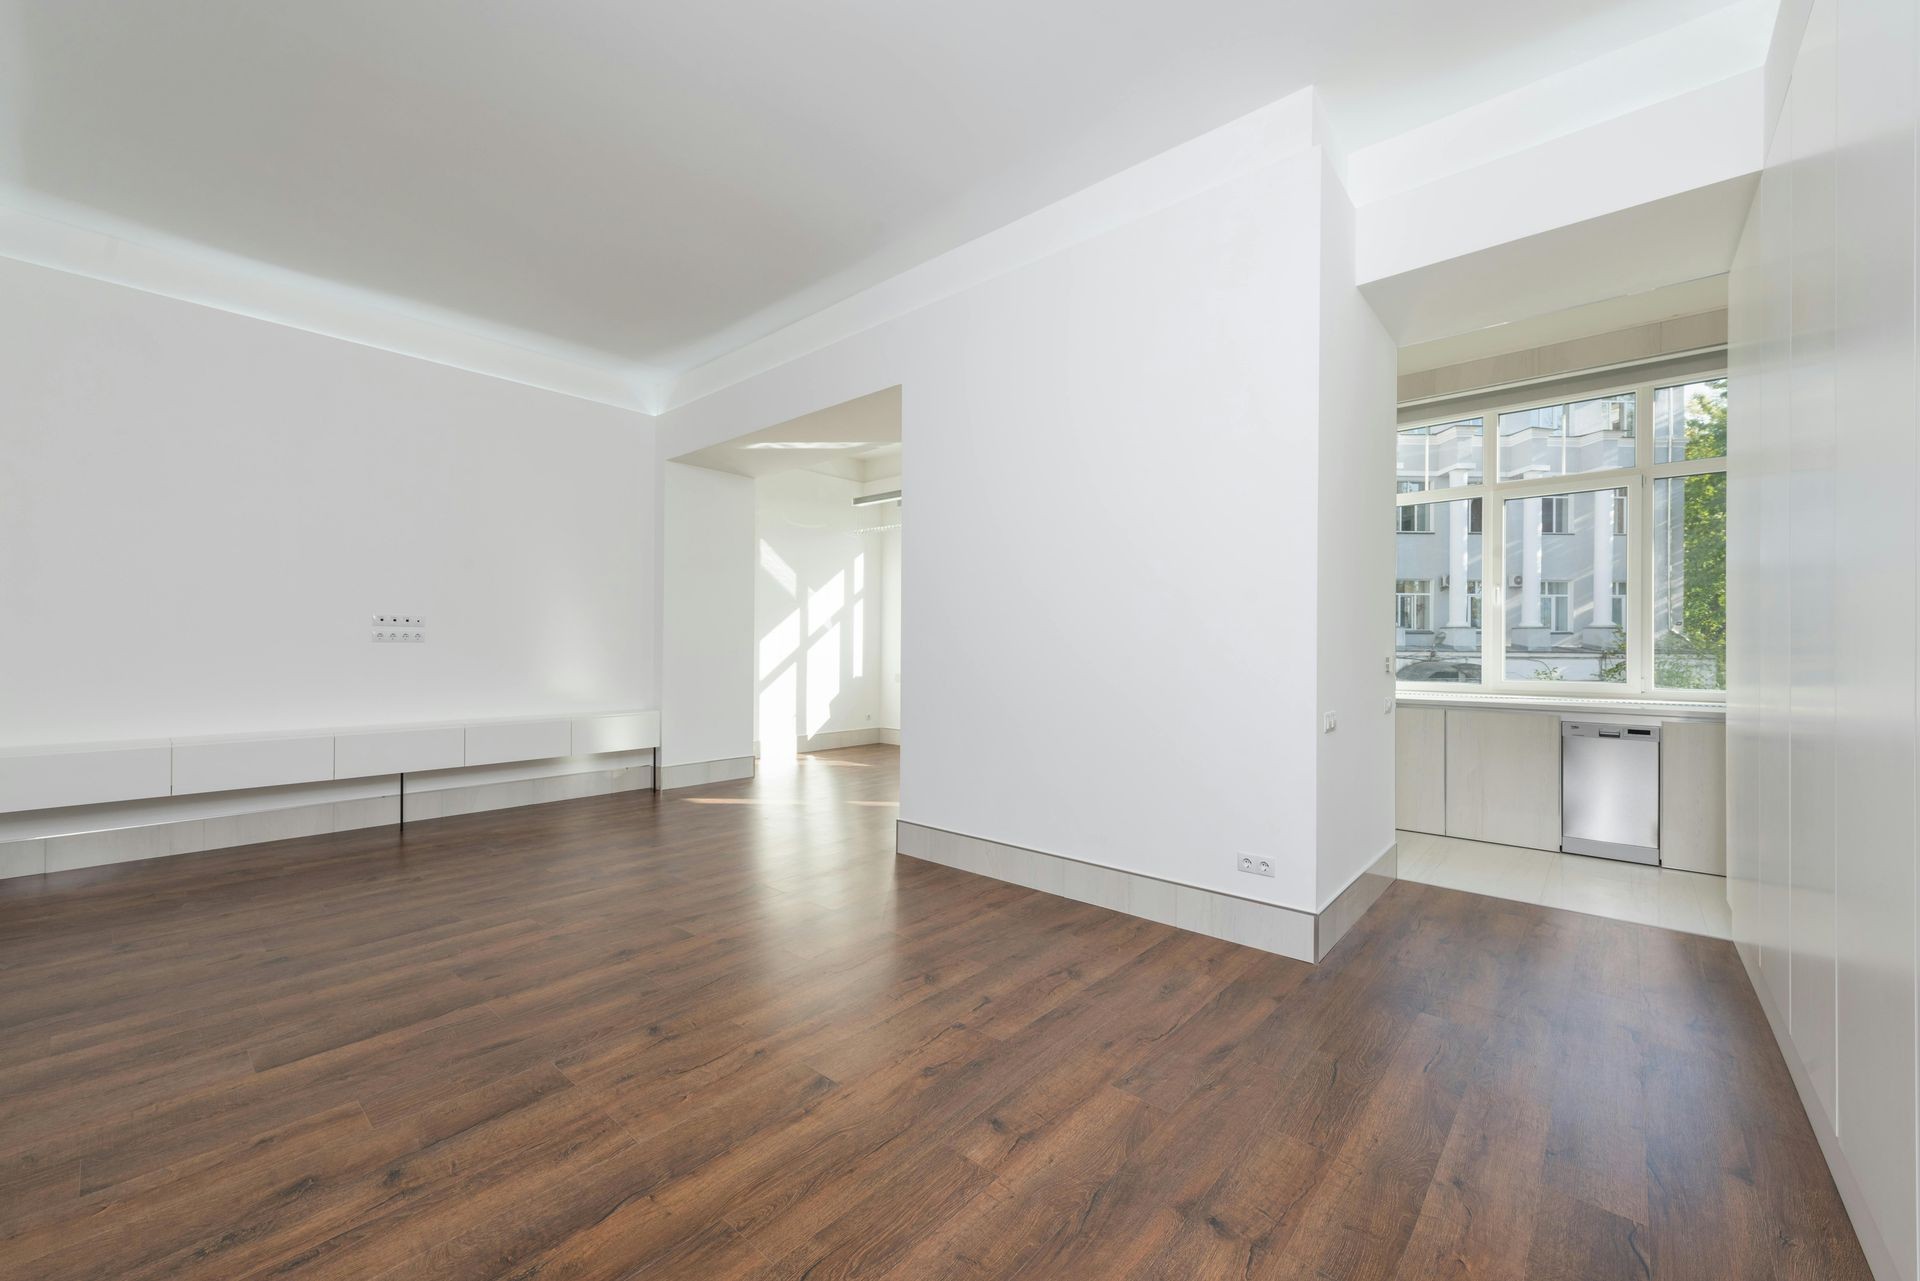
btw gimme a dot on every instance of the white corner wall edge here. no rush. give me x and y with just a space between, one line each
1270 927
1879 1257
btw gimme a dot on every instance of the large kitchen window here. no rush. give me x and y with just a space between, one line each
1588 531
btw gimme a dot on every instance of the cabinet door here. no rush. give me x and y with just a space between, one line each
1693 797
1503 777
1420 769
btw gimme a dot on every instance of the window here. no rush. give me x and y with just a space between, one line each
1415 610
1690 421
1414 520
1436 592
1557 628
1444 455
1690 581
1559 577
1565 440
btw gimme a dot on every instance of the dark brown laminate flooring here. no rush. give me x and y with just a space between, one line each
727 1034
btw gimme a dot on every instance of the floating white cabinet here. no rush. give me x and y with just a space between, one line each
398 751
1693 796
501 742
1420 769
1503 777
39 778
629 732
226 765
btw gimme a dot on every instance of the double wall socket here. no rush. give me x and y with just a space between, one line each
401 628
1253 866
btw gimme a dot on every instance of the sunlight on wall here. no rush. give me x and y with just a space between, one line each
779 645
818 604
823 677
778 570
779 729
825 601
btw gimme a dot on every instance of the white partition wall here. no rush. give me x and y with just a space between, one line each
1822 574
1110 612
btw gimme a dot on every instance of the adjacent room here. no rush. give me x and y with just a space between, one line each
458 819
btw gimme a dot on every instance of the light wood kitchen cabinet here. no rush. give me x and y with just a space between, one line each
1420 769
1503 777
1693 796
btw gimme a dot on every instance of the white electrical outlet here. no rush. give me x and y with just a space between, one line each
1254 866
1330 723
400 629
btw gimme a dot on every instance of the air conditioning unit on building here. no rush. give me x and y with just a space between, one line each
1515 582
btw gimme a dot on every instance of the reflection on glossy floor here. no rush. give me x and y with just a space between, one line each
727 1035
1659 896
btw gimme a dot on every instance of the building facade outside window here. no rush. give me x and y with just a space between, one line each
1603 547
1554 601
1415 608
1413 520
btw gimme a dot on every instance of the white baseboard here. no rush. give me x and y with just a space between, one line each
1872 1244
698 773
890 736
1304 936
46 841
834 739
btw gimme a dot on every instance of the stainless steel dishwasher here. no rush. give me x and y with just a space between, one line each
1610 789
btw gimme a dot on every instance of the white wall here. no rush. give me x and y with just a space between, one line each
819 580
1823 567
201 512
706 711
1110 659
1358 383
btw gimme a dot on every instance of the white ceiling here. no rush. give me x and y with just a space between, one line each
660 182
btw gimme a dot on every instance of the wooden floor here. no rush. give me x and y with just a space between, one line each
727 1034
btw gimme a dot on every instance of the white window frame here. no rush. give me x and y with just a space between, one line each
1637 481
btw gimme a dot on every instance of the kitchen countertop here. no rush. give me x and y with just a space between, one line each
1661 708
